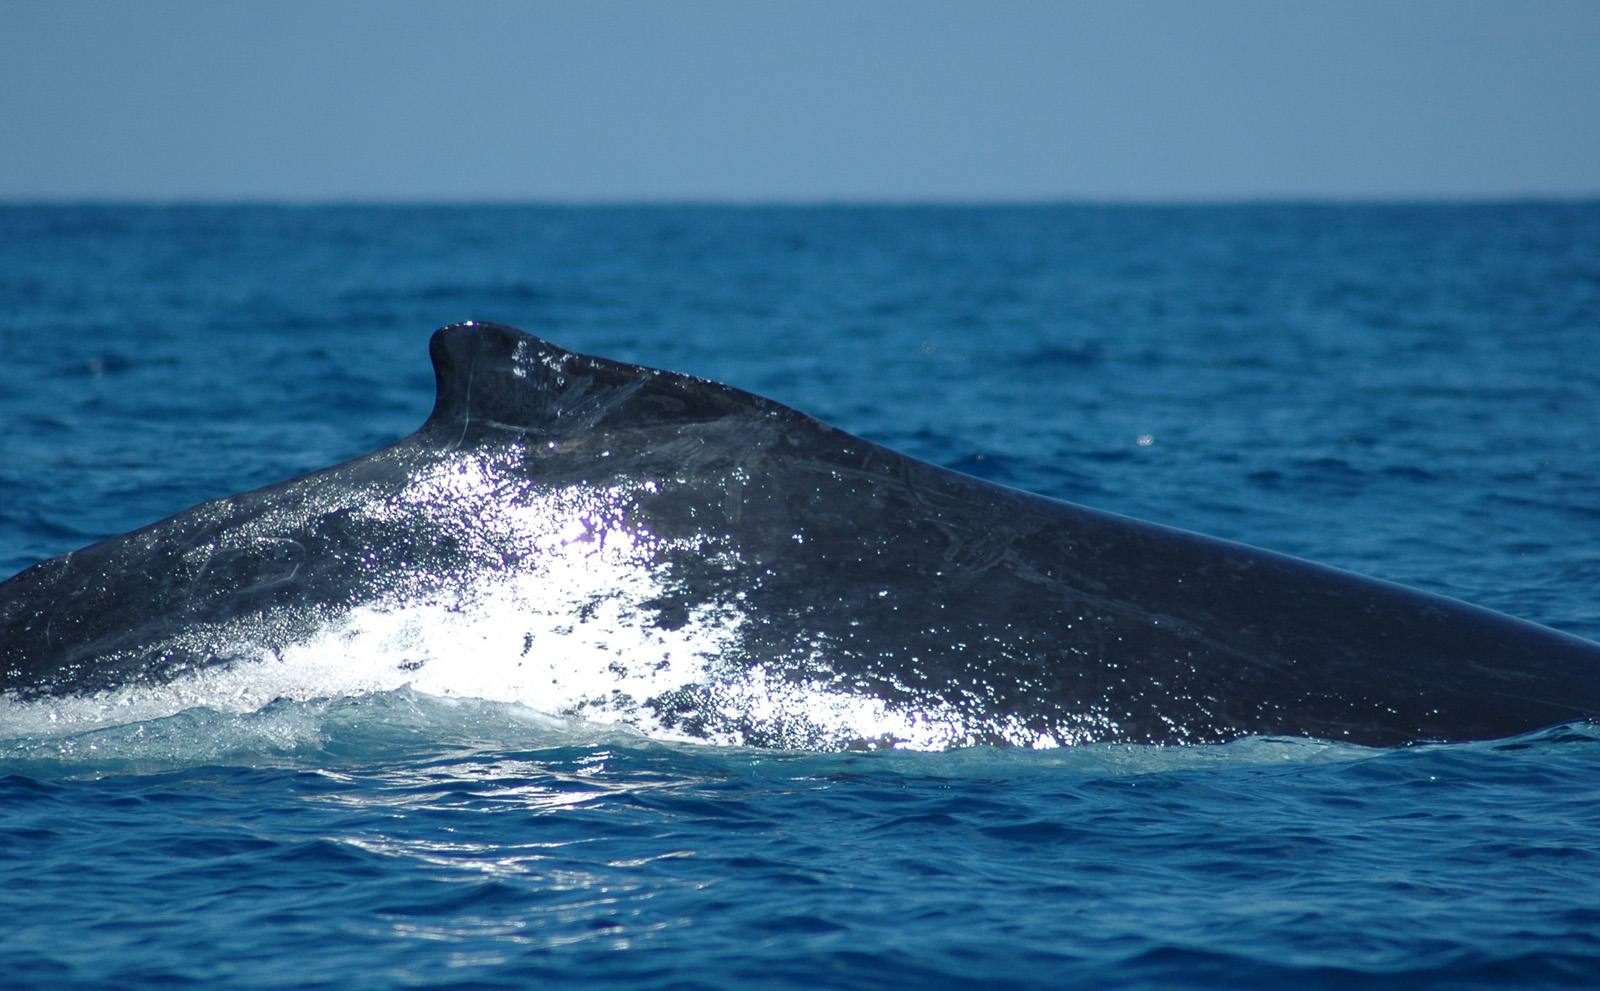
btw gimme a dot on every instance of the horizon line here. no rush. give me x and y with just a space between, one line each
798 202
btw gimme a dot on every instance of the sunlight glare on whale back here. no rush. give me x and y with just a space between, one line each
547 606
549 609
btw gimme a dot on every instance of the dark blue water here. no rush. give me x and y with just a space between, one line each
1407 391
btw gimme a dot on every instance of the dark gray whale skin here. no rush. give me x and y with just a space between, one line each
1014 616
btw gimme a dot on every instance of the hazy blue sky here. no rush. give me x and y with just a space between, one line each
804 100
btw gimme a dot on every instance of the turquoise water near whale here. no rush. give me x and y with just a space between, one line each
1408 391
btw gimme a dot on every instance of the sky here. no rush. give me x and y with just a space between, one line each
798 101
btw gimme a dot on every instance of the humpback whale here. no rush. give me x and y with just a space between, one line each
637 546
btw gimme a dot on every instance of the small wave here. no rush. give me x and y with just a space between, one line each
390 725
404 723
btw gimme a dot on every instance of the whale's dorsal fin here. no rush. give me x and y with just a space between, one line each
498 377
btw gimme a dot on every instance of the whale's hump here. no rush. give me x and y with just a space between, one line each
495 377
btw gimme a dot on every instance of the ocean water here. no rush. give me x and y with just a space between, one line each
1407 391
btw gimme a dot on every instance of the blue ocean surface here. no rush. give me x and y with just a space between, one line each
1406 391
